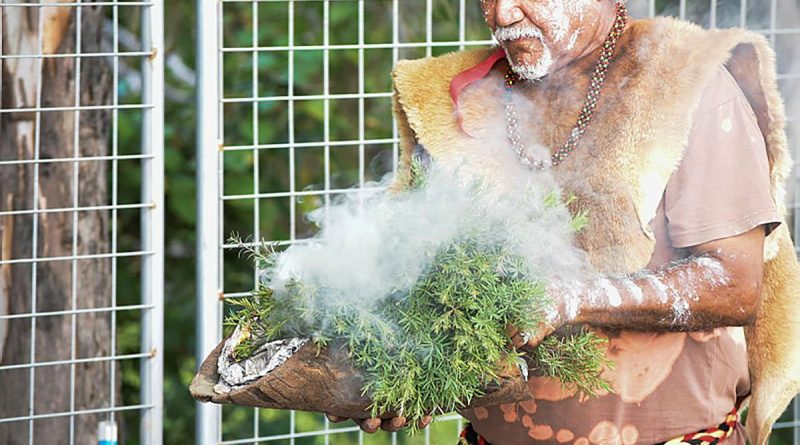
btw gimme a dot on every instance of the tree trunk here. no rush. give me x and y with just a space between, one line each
59 285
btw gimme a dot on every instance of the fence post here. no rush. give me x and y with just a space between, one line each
208 329
152 220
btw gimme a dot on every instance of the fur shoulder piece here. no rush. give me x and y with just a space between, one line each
772 341
422 90
666 43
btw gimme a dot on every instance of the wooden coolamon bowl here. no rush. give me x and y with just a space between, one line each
323 382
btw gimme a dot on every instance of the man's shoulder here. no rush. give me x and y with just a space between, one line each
671 29
719 90
681 42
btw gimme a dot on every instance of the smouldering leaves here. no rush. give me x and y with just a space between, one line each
434 348
431 348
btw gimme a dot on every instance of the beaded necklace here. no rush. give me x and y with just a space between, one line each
598 77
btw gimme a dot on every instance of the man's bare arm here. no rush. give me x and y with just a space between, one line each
717 284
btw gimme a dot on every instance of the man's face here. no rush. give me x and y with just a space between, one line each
541 35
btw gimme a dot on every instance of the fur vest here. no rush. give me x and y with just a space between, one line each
621 167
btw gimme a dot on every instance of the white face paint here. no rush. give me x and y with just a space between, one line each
555 18
573 38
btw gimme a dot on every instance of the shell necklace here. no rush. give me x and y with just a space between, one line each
598 77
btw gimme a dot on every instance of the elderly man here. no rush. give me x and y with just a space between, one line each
672 139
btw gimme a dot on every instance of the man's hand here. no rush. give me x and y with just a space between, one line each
372 424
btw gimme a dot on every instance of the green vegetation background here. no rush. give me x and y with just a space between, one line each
270 125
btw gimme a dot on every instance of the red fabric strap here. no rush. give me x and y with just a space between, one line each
708 436
470 76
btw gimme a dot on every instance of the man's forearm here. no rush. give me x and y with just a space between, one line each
692 294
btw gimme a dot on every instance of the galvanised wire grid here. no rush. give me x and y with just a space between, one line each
295 111
85 47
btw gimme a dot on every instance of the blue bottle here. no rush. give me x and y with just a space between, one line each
107 433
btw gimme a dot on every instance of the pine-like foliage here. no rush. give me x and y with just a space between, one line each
431 348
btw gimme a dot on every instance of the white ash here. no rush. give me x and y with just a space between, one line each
558 19
269 356
688 291
551 314
594 294
522 365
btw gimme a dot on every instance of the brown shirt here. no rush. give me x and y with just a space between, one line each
667 384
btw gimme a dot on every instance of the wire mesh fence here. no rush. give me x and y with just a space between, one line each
295 111
81 300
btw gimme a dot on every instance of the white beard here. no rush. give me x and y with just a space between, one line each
534 71
537 70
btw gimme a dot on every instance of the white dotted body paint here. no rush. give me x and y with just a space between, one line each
633 289
715 270
603 292
572 294
680 311
611 293
658 286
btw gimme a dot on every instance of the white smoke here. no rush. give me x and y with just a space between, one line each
374 244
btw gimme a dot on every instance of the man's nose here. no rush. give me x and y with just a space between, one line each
508 12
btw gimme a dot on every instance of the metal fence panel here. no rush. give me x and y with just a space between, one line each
132 305
257 70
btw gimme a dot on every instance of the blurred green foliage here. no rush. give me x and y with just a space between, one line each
265 74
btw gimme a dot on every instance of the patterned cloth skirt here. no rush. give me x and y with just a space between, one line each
709 436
